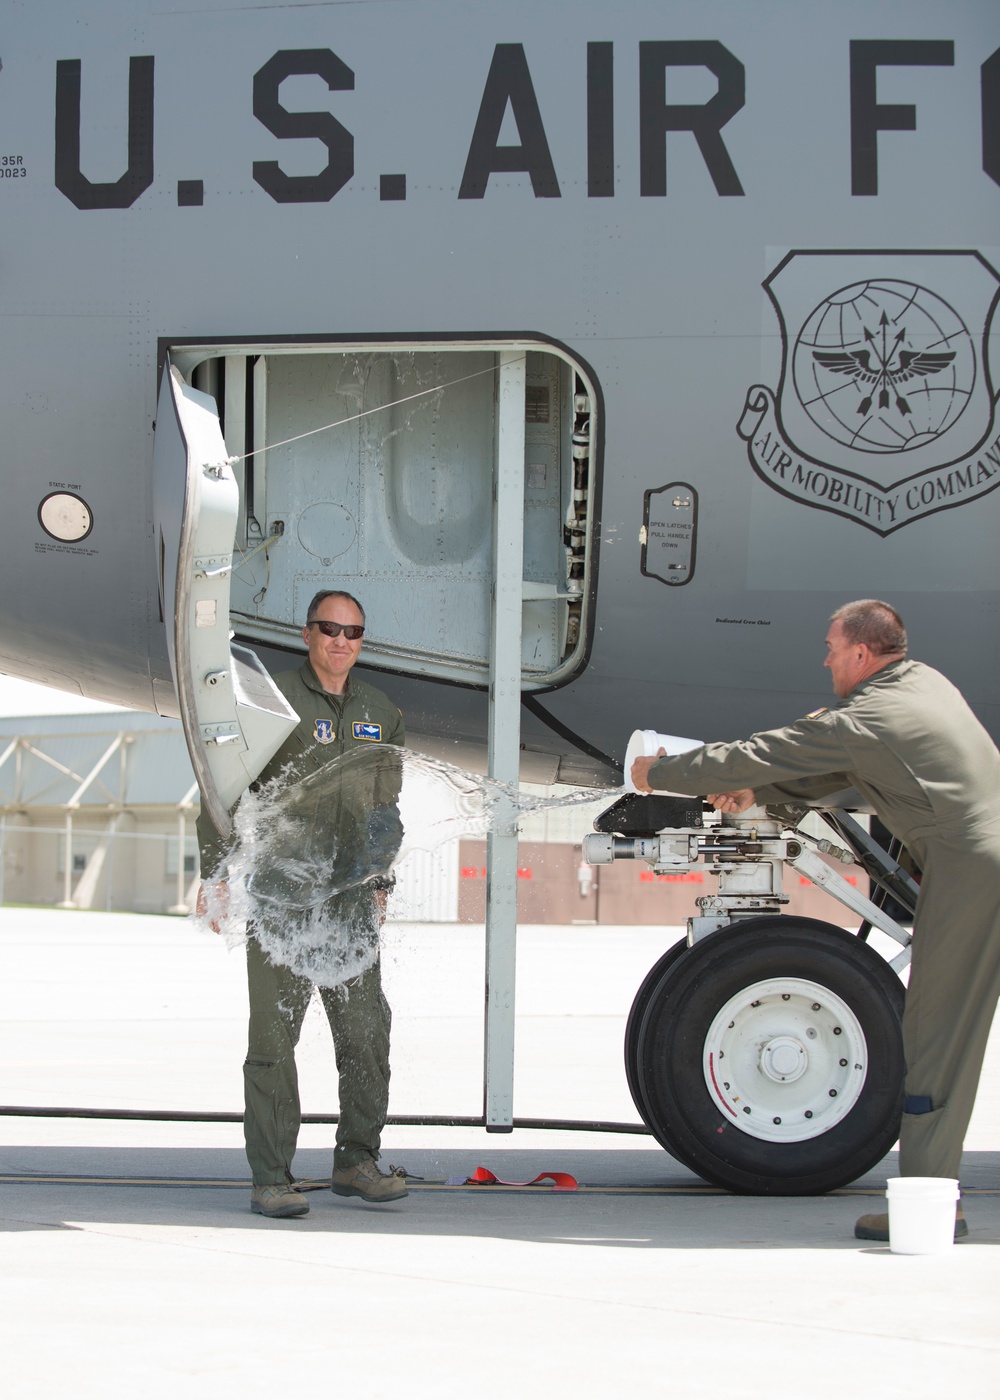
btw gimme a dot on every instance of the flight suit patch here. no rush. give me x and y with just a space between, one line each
363 729
323 731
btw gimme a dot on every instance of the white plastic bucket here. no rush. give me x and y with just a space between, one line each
644 743
921 1214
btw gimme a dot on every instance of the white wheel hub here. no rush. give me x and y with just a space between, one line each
785 1059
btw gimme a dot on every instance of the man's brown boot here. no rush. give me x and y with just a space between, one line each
876 1227
365 1180
278 1202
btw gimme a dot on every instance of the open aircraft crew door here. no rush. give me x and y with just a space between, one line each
286 468
449 486
372 468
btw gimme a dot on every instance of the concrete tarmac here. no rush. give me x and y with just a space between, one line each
132 1267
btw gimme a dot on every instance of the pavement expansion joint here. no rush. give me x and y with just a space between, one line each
417 1184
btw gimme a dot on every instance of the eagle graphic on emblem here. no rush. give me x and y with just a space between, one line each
894 365
885 407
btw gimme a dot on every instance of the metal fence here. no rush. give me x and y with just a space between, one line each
133 862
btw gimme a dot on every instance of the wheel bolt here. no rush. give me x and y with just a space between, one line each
843 1064
775 1120
815 1005
836 1030
833 1093
809 1113
746 1110
785 996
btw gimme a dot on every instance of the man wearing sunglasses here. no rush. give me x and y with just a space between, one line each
337 714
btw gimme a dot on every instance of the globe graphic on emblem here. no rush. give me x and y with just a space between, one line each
884 366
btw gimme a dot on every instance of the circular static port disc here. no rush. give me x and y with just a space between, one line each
65 517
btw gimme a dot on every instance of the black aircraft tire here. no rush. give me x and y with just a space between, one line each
635 1015
810 1096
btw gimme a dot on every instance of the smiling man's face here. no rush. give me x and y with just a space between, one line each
332 657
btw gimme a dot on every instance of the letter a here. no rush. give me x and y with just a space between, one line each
509 82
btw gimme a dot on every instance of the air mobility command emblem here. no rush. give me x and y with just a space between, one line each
362 729
323 731
885 406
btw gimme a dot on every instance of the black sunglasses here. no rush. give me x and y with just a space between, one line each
353 631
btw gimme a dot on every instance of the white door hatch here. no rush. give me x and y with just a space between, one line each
234 716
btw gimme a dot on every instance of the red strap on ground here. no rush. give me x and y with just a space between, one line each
561 1181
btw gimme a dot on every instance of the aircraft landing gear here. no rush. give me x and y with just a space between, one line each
764 1051
768 1057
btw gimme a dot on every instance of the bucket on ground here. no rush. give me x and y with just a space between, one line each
921 1214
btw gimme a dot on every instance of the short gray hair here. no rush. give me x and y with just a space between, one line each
325 593
873 624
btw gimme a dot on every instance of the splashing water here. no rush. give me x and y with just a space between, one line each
309 856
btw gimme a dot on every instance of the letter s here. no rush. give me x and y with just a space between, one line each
322 126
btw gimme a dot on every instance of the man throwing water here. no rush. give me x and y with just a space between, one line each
904 737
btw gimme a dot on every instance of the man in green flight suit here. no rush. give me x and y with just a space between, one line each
338 716
904 737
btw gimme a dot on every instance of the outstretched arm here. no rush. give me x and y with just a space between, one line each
808 759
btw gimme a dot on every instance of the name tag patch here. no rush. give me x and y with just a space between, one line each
362 729
323 731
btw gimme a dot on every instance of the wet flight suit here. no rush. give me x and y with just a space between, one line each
359 1016
908 742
